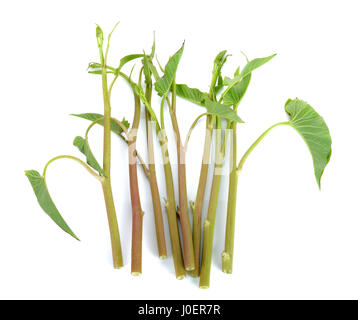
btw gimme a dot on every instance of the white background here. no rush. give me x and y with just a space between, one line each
293 241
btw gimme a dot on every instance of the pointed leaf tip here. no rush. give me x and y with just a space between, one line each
44 199
99 33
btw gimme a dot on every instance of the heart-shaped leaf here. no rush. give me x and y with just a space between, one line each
83 146
43 197
162 86
311 126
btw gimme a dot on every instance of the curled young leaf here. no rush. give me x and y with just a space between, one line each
220 58
83 146
314 131
44 199
99 35
217 81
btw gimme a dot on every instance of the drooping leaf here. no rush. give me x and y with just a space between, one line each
311 126
115 127
202 99
162 86
129 58
250 66
191 94
234 96
83 146
221 110
96 68
99 35
44 199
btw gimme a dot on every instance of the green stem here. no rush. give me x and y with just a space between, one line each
157 208
92 172
209 223
191 130
253 146
125 130
107 188
187 235
227 255
137 212
171 210
113 225
197 206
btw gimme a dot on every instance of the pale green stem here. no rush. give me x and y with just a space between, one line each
107 188
227 255
209 223
187 236
92 172
253 146
191 130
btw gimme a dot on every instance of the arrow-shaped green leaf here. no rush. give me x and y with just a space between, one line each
162 86
43 197
83 146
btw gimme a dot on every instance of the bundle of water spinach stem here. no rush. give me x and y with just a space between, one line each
191 235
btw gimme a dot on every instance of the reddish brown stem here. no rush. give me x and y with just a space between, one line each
157 208
188 247
137 213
